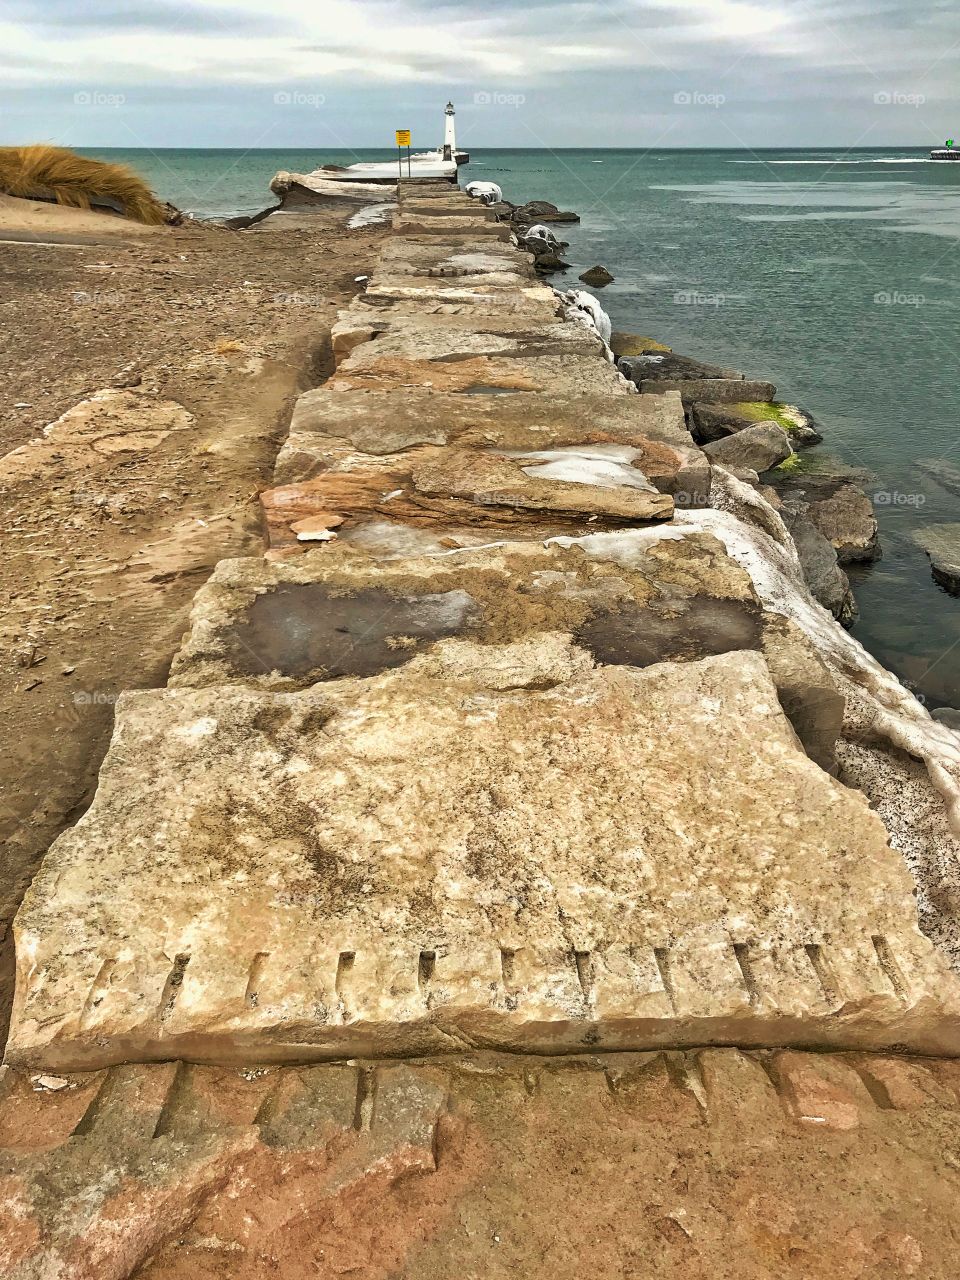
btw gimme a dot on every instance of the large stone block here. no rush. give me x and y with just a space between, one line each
497 846
716 390
367 370
344 613
478 289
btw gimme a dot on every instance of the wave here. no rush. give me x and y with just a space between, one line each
873 160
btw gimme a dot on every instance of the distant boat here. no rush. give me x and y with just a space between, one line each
946 152
441 163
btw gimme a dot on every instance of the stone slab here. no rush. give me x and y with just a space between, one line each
511 333
837 1166
380 422
350 612
556 491
433 339
420 224
715 390
330 430
366 369
493 846
941 542
469 258
463 289
436 207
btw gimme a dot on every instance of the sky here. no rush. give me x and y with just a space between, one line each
554 73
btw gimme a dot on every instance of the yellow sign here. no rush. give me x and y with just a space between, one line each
403 137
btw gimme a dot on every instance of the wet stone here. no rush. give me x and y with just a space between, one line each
300 629
676 631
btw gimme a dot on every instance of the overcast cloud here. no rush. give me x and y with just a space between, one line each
639 73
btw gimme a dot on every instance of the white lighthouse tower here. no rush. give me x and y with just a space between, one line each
449 133
450 151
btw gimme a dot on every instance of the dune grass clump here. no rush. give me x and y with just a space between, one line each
56 173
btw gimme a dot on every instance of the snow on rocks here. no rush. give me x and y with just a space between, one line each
485 192
584 307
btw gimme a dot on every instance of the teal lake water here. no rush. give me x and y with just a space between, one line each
836 274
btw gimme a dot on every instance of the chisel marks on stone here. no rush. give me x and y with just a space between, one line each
741 953
251 997
889 966
173 986
365 1100
828 983
345 963
661 956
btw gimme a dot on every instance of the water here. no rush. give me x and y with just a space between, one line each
833 273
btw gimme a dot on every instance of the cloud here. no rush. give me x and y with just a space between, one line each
601 71
173 16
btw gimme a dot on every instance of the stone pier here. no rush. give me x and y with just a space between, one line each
518 806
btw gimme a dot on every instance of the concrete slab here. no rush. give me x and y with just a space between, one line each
495 846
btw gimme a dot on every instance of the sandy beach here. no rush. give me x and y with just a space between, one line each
104 550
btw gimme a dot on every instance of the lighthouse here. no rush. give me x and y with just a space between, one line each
450 151
449 133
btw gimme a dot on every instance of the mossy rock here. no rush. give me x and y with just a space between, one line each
633 344
798 424
791 465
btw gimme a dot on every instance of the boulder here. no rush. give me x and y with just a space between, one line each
718 390
840 510
503 209
634 344
949 716
597 277
941 542
713 421
827 582
758 448
666 366
546 263
542 211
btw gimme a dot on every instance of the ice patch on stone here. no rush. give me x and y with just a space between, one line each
370 216
600 472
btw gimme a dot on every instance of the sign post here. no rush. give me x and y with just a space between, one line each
403 140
